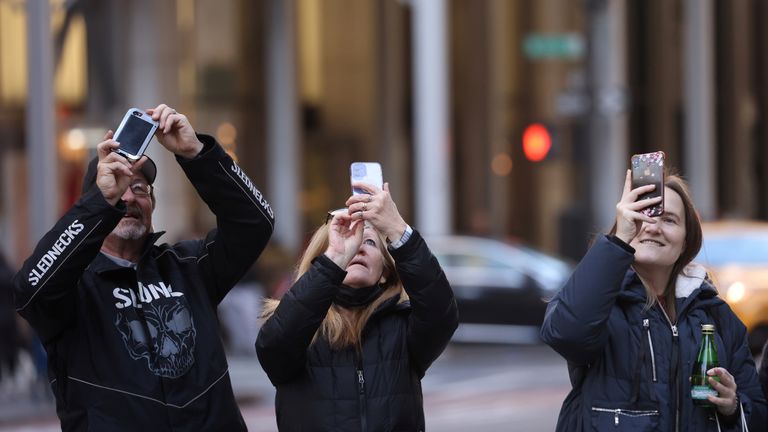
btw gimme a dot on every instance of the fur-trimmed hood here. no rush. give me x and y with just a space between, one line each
690 279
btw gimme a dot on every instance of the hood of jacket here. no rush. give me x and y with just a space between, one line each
692 286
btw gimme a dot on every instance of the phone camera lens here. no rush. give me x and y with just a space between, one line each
137 113
359 170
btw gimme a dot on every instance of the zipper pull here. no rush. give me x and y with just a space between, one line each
361 381
616 417
647 326
674 330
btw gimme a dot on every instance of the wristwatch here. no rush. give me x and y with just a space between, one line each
404 238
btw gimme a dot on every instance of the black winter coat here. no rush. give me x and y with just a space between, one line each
320 389
139 349
629 366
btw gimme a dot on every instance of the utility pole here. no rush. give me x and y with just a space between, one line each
42 170
699 82
432 166
284 172
607 118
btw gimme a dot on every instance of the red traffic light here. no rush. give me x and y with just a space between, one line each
536 142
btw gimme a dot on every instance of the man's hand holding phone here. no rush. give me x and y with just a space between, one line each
114 171
175 132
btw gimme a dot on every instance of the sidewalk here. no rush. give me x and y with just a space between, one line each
249 382
24 398
20 408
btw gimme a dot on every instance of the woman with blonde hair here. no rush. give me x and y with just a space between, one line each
369 312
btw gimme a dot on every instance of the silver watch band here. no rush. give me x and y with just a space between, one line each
404 238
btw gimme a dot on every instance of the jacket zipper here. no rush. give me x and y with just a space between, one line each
629 413
361 397
647 325
675 367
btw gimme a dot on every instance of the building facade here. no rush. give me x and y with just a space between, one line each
298 89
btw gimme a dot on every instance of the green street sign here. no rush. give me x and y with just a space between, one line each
560 46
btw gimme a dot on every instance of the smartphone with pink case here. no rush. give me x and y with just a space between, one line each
648 168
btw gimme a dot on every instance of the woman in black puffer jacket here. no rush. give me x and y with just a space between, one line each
628 322
371 309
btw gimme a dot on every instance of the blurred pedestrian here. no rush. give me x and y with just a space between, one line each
629 320
369 312
130 327
239 314
10 339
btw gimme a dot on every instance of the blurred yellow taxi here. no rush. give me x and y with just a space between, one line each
736 255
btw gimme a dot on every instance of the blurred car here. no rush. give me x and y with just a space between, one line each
736 255
501 289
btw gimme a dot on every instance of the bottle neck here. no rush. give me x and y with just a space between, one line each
708 351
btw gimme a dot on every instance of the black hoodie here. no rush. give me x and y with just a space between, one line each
139 349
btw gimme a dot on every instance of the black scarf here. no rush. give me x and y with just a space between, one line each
357 297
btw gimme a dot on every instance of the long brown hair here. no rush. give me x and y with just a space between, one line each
693 239
339 329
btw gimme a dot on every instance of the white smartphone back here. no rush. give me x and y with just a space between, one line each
366 172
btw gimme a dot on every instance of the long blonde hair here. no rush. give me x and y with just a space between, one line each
339 329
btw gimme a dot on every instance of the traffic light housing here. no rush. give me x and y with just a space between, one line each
537 142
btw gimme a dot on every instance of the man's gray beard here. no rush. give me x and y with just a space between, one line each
129 230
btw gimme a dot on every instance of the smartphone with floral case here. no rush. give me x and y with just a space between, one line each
648 168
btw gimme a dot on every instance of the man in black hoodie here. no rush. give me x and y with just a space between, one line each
130 326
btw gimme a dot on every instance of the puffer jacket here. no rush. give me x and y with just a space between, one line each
629 365
377 389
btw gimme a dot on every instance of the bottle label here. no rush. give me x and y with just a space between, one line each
701 392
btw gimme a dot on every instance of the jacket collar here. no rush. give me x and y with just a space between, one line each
102 264
633 289
391 304
692 284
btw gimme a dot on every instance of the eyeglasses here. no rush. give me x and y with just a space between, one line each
141 189
331 213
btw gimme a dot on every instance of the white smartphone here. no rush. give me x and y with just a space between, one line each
134 133
366 172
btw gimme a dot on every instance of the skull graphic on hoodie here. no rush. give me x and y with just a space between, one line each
165 337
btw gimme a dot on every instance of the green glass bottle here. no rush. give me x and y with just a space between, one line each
705 360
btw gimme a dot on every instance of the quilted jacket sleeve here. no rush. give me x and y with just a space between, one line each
575 321
742 367
284 338
435 316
